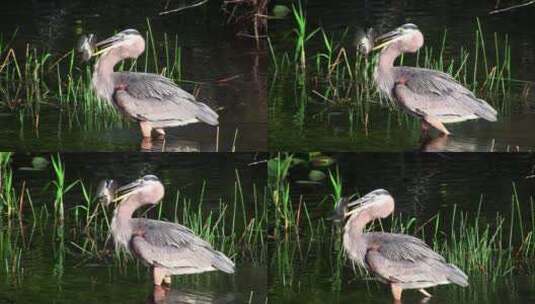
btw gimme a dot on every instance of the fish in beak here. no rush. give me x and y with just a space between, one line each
106 191
341 209
109 191
86 46
89 47
365 40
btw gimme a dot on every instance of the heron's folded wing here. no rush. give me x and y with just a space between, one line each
403 271
173 245
156 98
402 247
161 233
171 256
437 94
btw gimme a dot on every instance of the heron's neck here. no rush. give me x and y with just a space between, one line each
102 75
387 57
354 240
384 73
121 226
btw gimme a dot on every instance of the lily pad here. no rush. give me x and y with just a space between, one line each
280 11
39 163
316 175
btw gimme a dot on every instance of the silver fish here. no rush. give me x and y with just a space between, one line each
106 191
86 46
365 40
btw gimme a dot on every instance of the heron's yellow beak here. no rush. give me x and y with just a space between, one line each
387 39
106 44
127 190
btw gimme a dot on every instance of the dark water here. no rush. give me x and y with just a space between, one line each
77 278
426 183
210 52
422 185
330 129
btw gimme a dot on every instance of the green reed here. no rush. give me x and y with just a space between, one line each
11 251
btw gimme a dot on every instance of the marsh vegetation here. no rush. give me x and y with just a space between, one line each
61 221
493 244
321 86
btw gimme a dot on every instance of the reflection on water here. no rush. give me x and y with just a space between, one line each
189 296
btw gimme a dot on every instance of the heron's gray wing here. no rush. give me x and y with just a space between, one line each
403 258
174 246
403 271
156 98
401 247
436 94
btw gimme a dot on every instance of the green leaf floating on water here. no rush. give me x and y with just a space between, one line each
280 11
38 163
316 175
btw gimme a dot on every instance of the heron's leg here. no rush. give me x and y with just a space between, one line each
436 123
160 131
146 129
167 280
146 144
158 275
396 291
158 294
424 292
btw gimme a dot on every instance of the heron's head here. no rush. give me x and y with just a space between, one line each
147 190
407 38
378 204
127 44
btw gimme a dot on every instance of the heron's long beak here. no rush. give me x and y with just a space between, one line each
387 39
106 44
127 190
355 206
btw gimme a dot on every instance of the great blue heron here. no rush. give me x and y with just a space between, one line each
402 261
169 248
155 101
431 95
